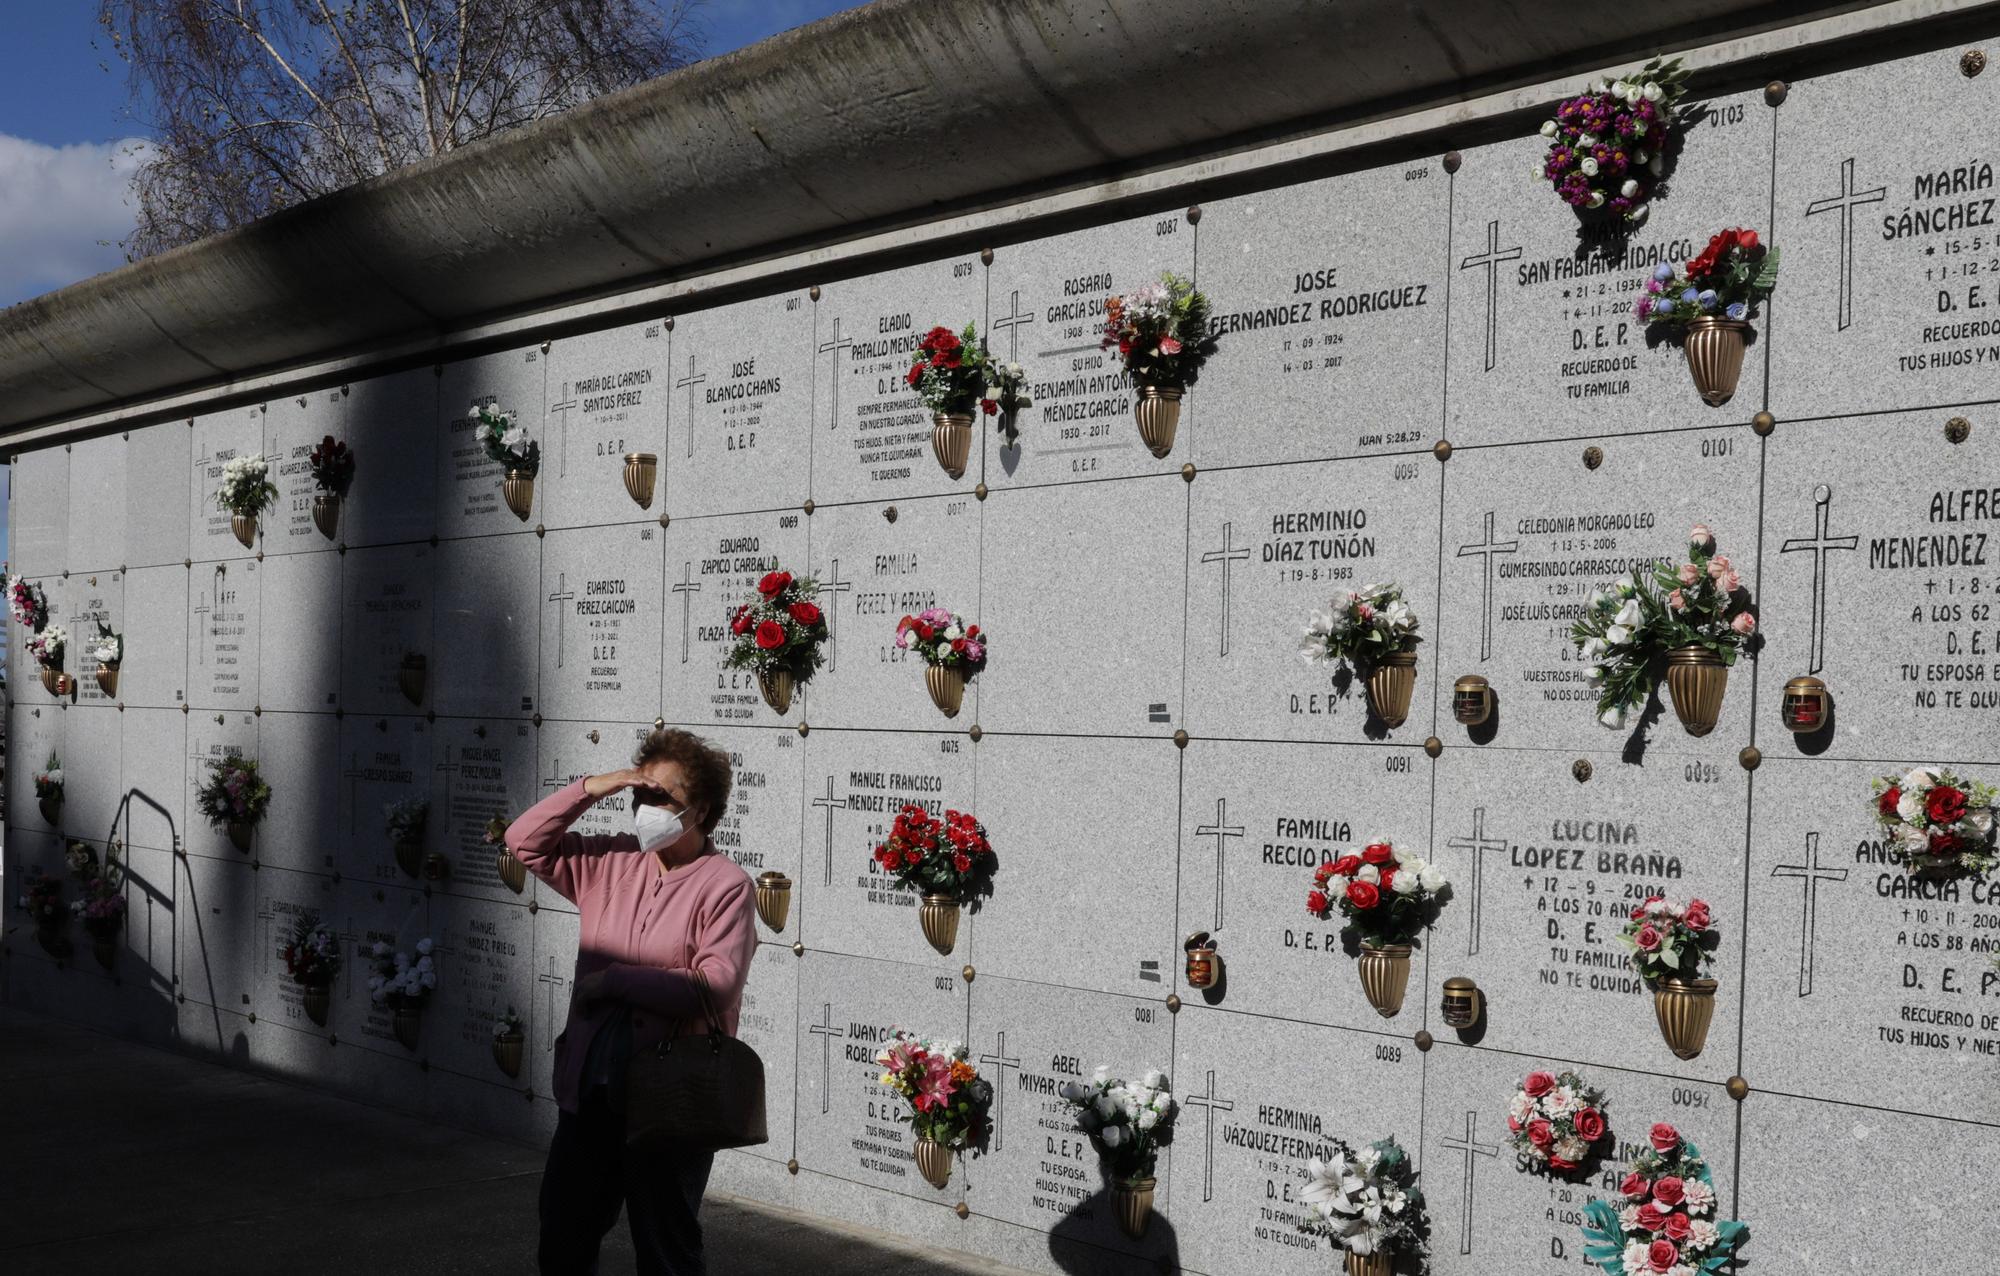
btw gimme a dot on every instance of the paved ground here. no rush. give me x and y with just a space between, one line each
119 1159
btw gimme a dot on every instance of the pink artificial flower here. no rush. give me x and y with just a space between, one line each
1730 582
1689 573
1677 601
1170 345
1647 939
1744 624
1718 565
1702 536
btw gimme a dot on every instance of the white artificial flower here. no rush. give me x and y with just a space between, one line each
1594 649
1614 717
1106 1106
1148 1119
952 633
424 946
1911 806
1572 1150
1560 1101
1102 1073
1586 140
1978 821
1162 1101
1628 1218
1548 128
1703 1234
1521 1108
1629 189
1589 166
1112 1135
1636 1259
1432 878
1630 613
1652 92
1699 1196
1596 199
1597 598
1657 164
1406 883
1069 1090
1618 635
1154 1079
1369 874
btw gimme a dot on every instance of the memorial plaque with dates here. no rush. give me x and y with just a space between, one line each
390 660
481 770
740 417
382 760
712 568
210 738
468 481
608 394
293 427
218 439
88 602
600 630
224 631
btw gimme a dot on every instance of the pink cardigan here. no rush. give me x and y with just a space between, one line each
644 926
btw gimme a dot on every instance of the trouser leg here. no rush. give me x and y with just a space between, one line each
664 1186
582 1188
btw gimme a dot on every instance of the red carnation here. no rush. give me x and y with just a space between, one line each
1316 902
916 373
774 583
962 862
958 645
740 625
1377 853
913 857
925 632
770 635
972 631
991 407
1944 805
805 613
1388 879
1886 804
1363 895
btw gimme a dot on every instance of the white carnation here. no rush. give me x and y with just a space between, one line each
1112 1135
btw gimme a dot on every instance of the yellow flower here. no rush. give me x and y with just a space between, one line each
888 1078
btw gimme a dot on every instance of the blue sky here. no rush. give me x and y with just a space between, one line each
67 139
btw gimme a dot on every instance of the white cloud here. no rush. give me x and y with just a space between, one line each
56 204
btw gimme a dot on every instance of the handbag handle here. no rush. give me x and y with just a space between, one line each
709 1013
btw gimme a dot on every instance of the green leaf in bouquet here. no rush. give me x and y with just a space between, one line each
1604 1238
1767 272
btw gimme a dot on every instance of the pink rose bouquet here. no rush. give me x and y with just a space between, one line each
1669 940
1556 1122
1664 1223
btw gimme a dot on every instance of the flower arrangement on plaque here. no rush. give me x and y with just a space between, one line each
955 377
1374 631
108 650
47 647
1128 1124
1711 302
312 959
403 983
246 492
778 636
27 602
1938 824
1664 1224
49 789
513 873
1388 899
43 902
1608 145
234 798
952 651
948 1100
509 1035
948 861
1670 944
1367 1204
519 457
1690 619
1161 334
332 465
1556 1124
102 906
405 819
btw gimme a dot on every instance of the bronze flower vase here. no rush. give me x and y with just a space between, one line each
513 873
776 686
107 680
1684 1008
1391 680
245 527
406 1022
239 835
934 1163
1696 679
774 899
105 949
318 1001
55 682
951 441
1714 350
411 676
507 1053
518 489
1385 975
410 857
939 917
51 808
947 688
641 468
326 514
1379 1263
1132 1202
1158 411
50 936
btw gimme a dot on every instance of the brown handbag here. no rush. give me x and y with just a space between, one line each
701 1091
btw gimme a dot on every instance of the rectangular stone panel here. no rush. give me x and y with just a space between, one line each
1542 886
225 629
1889 231
210 738
1521 557
712 567
468 483
1120 552
871 574
600 623
38 512
855 783
1489 1214
1266 549
1256 820
220 437
1047 308
1882 578
485 958
484 626
387 615
283 899
216 939
381 760
154 671
146 944
1542 306
761 828
566 752
293 427
1259 1098
1027 1039
481 769
608 395
740 418
847 1122
395 494
871 432
1882 971
299 607
298 754
397 914
157 757
90 600
157 502
93 789
769 1024
1327 347
34 734
554 976
97 478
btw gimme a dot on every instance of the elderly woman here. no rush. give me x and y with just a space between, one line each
662 912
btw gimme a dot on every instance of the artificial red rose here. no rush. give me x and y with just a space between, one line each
913 857
958 645
1697 915
1589 1123
972 631
991 407
1377 853
1513 1126
1558 1163
1541 1133
1316 902
1363 894
1388 880
1887 803
805 613
962 862
1321 873
925 632
1665 1138
1946 844
1662 1255
740 625
1669 1191
1652 1217
1347 866
1635 1187
1677 1227
770 635
1639 910
1746 239
1647 939
774 583
916 373
1944 805
1539 1084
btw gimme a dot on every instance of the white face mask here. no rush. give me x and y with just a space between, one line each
657 827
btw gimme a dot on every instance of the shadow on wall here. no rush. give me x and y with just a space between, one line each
1088 1241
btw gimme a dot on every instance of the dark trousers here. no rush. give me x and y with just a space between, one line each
591 1173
